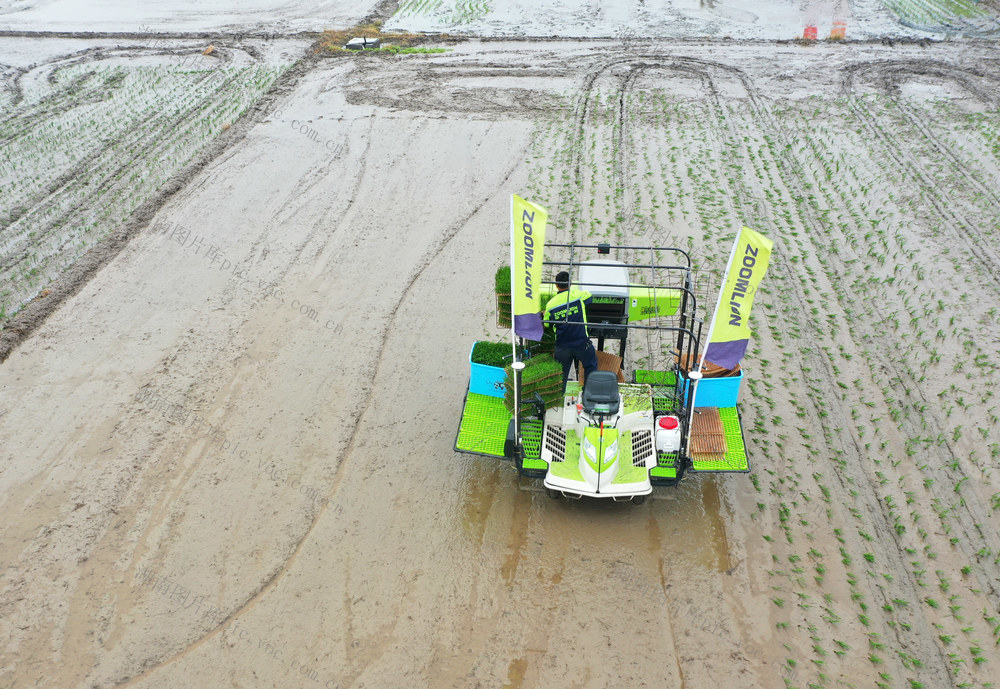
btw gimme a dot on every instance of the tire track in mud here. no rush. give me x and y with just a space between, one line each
149 142
421 87
623 168
896 385
623 200
576 161
45 108
582 125
39 111
97 93
937 468
625 205
637 65
797 182
92 263
295 549
190 399
977 513
958 167
382 11
11 83
87 266
100 179
889 77
815 362
946 205
231 291
259 246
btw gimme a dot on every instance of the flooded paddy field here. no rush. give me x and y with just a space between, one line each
227 441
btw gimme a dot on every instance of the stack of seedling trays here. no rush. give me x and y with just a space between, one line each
503 297
542 376
546 346
505 309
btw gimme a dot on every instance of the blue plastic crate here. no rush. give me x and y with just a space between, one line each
718 392
486 380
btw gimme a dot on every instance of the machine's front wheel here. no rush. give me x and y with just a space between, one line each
554 494
638 499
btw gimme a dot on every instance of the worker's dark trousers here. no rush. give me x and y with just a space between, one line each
585 354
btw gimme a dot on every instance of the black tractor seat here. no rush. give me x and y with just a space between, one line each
600 393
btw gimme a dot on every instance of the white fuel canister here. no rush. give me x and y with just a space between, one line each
668 434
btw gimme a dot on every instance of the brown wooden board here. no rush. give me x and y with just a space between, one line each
707 434
605 362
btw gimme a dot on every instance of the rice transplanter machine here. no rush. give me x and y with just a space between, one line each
632 424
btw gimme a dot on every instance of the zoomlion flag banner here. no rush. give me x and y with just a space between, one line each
527 243
730 331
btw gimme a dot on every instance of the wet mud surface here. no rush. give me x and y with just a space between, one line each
237 465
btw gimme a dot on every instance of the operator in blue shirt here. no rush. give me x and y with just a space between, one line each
568 308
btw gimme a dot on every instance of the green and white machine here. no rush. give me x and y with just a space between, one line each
634 424
601 442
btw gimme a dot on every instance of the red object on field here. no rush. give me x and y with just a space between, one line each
668 422
810 33
839 30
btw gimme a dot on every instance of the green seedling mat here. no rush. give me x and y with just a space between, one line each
483 430
656 377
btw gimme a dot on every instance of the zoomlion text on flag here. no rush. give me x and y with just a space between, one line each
730 331
742 285
529 250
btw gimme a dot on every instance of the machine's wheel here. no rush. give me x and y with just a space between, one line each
554 494
638 499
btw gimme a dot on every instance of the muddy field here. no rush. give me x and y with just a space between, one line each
226 429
